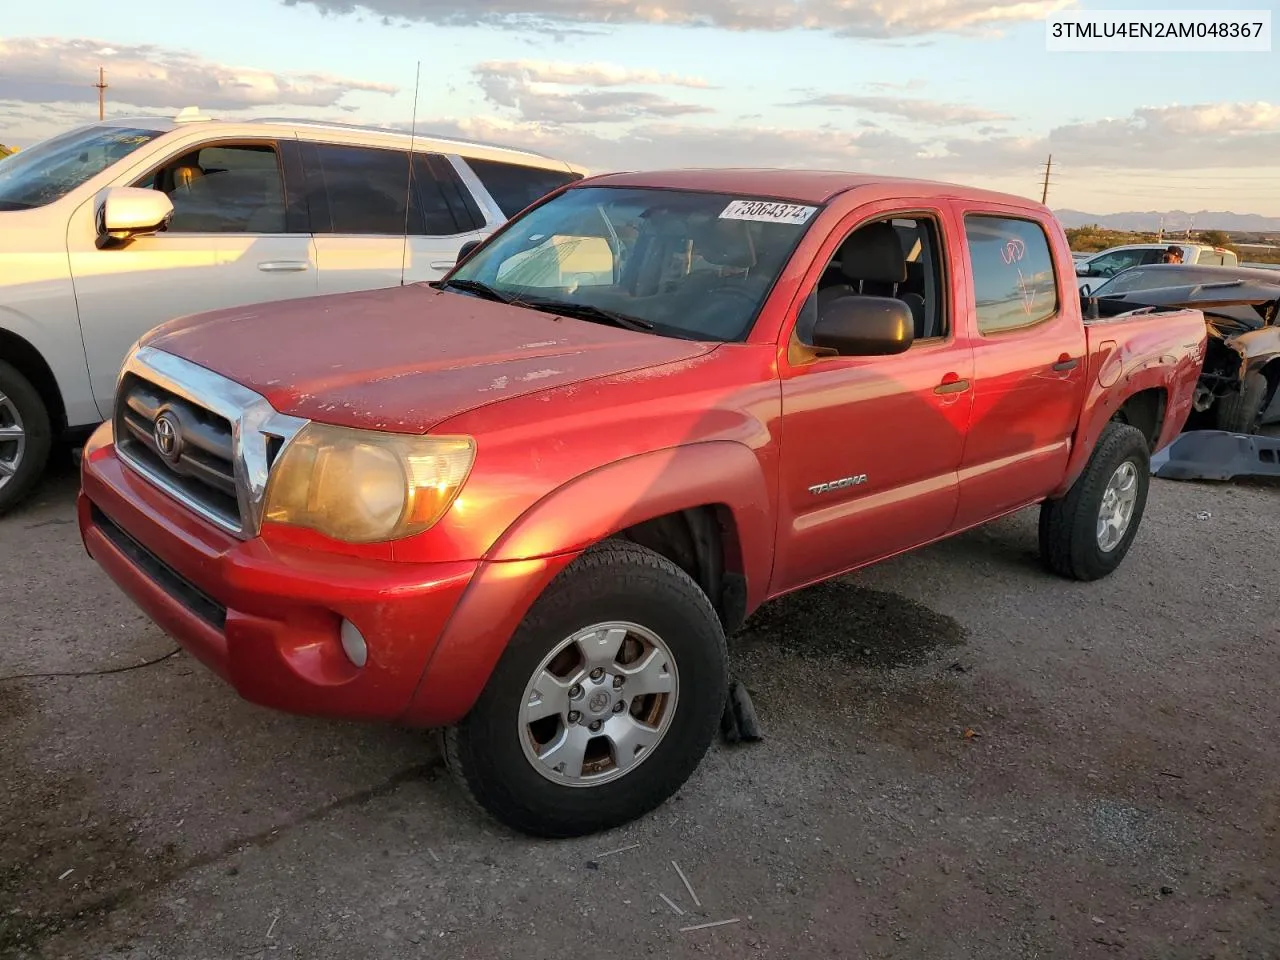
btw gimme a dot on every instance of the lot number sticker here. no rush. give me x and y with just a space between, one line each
767 211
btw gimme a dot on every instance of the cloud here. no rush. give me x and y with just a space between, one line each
1222 136
55 70
853 18
1196 136
552 93
917 111
586 74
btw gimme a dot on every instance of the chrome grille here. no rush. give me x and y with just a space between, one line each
207 441
202 461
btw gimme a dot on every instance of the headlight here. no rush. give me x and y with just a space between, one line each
365 487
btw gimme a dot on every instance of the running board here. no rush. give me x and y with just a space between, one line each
1218 455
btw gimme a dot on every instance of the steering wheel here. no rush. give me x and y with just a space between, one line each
720 312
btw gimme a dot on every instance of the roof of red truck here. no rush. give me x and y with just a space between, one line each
798 186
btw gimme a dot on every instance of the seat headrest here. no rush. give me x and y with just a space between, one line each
186 175
724 243
874 252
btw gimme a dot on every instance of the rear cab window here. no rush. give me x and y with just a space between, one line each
1014 283
515 187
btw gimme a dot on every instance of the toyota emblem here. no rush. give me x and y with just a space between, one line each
168 436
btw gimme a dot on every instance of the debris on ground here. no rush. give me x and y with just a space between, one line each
738 723
687 885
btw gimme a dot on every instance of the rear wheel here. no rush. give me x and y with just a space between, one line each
603 704
1241 411
1086 534
25 437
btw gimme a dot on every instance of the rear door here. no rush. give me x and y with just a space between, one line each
1029 364
376 222
238 236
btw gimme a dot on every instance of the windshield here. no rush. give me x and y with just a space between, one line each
53 168
686 264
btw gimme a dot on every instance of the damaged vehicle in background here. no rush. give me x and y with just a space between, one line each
1241 372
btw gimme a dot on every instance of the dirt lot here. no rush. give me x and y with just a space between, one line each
966 758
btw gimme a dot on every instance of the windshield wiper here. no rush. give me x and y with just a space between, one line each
474 286
585 311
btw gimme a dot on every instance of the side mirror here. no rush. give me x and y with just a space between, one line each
856 326
125 213
1085 290
1082 270
466 250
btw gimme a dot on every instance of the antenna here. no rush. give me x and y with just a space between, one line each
408 189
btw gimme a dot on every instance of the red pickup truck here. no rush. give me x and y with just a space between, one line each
527 504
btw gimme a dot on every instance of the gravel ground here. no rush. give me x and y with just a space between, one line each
965 758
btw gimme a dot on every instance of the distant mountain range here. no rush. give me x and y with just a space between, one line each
1173 220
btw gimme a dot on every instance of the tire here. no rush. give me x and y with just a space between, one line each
1071 542
491 753
26 437
1241 411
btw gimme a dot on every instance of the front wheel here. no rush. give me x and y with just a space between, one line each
1086 534
25 437
603 704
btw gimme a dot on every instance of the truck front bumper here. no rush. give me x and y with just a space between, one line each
268 619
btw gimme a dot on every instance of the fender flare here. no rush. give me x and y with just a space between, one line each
610 498
1103 403
548 536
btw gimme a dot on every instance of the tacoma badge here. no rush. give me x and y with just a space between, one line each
838 484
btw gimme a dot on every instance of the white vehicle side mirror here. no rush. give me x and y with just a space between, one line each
125 213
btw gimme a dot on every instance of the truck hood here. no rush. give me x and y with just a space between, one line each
404 359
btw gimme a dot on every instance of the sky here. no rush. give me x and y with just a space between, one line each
960 90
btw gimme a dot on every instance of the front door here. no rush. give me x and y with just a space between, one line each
871 445
233 241
1029 368
375 226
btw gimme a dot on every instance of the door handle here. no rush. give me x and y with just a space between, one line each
443 264
1066 363
283 266
952 386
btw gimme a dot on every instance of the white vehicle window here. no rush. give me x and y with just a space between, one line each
53 168
514 187
224 189
1109 264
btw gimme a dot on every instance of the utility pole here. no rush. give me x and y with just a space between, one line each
102 88
1044 194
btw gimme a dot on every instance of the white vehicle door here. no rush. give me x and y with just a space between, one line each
374 223
235 239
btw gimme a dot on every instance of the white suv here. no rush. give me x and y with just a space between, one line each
112 228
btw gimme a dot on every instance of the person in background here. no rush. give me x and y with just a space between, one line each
1172 255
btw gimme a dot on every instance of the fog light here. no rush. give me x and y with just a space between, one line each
353 644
